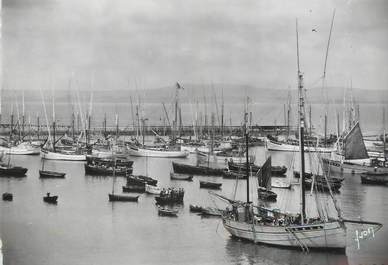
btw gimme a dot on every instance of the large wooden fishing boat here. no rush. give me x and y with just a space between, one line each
62 155
24 148
272 145
103 170
156 152
261 225
352 157
197 170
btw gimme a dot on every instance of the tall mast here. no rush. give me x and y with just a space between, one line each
384 141
247 156
53 123
301 131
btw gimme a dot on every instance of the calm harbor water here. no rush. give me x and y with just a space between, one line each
85 228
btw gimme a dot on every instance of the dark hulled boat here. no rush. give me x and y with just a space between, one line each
241 167
167 212
7 196
134 188
197 170
121 162
11 171
141 180
375 178
50 199
195 208
103 170
264 175
51 174
210 185
122 198
230 174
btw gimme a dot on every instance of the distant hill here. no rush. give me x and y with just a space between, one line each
192 93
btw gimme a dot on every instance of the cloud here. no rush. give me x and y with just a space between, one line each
249 42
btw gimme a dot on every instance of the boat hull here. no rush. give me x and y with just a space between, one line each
122 198
13 171
331 235
373 178
334 166
59 156
51 174
20 150
157 153
197 170
274 146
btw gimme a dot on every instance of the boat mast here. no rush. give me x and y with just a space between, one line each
247 156
384 141
301 132
53 123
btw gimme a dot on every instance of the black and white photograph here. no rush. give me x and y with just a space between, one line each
193 132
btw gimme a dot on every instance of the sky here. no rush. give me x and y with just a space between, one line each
118 44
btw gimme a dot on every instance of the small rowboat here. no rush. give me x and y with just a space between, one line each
51 174
50 199
167 212
175 176
210 185
7 196
195 208
122 198
12 171
134 188
152 189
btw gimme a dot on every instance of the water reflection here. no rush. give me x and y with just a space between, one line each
243 252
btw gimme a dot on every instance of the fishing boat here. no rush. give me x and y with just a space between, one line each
118 197
12 171
264 175
275 183
195 208
24 148
50 174
134 188
121 162
230 174
162 211
211 211
67 155
225 156
141 180
50 199
272 145
152 189
170 196
210 185
261 225
156 152
197 170
7 196
103 170
240 167
177 176
122 198
352 157
375 178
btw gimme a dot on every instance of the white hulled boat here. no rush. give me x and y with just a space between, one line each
24 148
262 225
62 155
280 146
353 157
157 152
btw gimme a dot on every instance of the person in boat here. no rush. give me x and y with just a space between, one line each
48 194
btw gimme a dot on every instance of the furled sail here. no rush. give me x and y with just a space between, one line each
264 174
354 146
